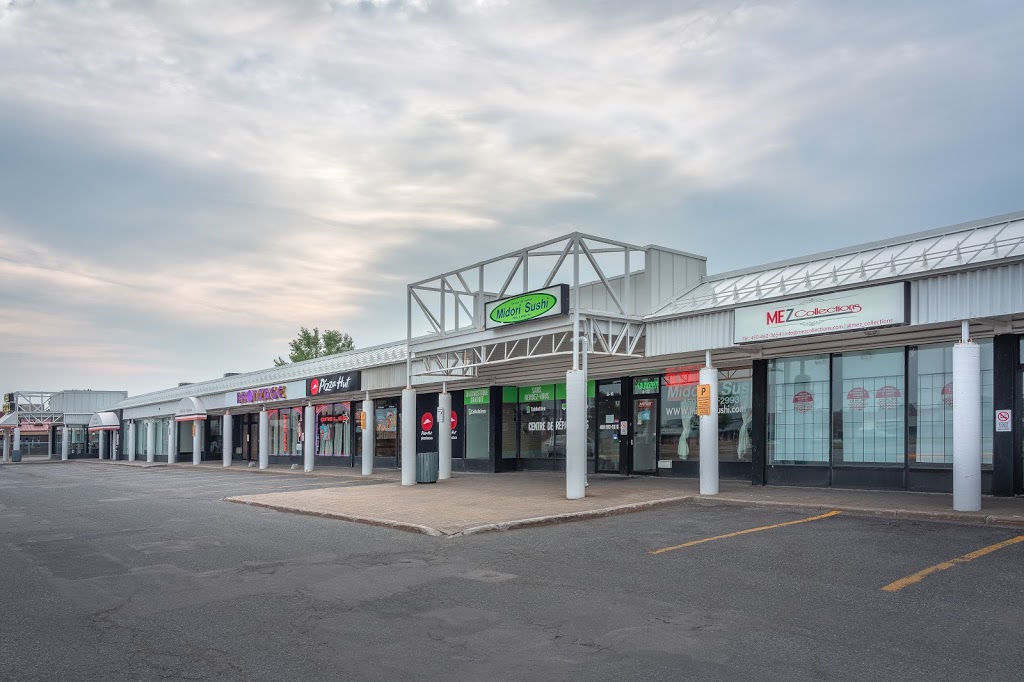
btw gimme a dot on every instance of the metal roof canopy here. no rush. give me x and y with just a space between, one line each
956 247
452 307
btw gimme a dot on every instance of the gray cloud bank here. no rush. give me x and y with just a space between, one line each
182 186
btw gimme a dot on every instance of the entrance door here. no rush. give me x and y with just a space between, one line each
610 441
251 439
645 435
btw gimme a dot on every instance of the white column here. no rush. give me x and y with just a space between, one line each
264 439
7 444
103 444
17 440
172 443
966 426
709 435
65 442
444 435
228 440
150 440
309 438
368 438
575 434
410 424
197 441
130 445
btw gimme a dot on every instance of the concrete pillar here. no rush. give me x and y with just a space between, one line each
410 423
197 441
103 444
369 440
150 440
229 439
264 439
575 434
444 435
16 450
130 445
966 426
172 443
7 444
308 438
709 435
65 442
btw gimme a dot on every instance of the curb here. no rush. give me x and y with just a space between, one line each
386 523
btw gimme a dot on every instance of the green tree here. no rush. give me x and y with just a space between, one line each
312 344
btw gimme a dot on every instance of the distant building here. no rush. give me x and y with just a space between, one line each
34 422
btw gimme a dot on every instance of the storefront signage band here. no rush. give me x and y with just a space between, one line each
868 308
261 395
334 383
532 305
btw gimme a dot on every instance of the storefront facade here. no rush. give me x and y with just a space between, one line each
832 370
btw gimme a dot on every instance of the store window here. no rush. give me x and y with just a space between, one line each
869 407
215 435
285 427
537 421
77 436
140 438
931 407
333 430
386 425
680 425
477 410
798 410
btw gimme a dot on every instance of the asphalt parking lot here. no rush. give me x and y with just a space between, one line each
117 573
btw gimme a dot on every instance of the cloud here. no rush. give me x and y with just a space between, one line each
190 183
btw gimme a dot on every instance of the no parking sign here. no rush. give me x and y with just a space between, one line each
1004 420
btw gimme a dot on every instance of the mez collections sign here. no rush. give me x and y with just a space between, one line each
882 306
533 305
334 383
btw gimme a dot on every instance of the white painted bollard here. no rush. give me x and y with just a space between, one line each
264 440
575 434
150 440
65 442
444 436
172 443
228 440
197 442
130 445
966 427
709 436
368 435
410 425
309 436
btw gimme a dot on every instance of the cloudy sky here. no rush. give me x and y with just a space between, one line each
184 184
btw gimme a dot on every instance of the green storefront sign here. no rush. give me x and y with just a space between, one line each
477 396
646 386
528 306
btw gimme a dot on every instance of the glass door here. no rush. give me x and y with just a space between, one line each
645 435
609 424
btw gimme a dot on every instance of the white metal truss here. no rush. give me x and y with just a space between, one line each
33 407
451 306
960 246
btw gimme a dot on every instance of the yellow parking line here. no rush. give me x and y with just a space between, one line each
898 585
744 532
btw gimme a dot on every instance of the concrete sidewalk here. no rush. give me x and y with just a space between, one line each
474 503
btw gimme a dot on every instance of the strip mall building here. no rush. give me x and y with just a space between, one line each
833 369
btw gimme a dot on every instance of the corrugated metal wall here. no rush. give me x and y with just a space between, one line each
694 333
964 295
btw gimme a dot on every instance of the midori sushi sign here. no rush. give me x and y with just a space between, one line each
532 305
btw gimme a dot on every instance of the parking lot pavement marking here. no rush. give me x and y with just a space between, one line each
744 532
913 578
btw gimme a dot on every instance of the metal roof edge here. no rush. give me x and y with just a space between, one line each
881 243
